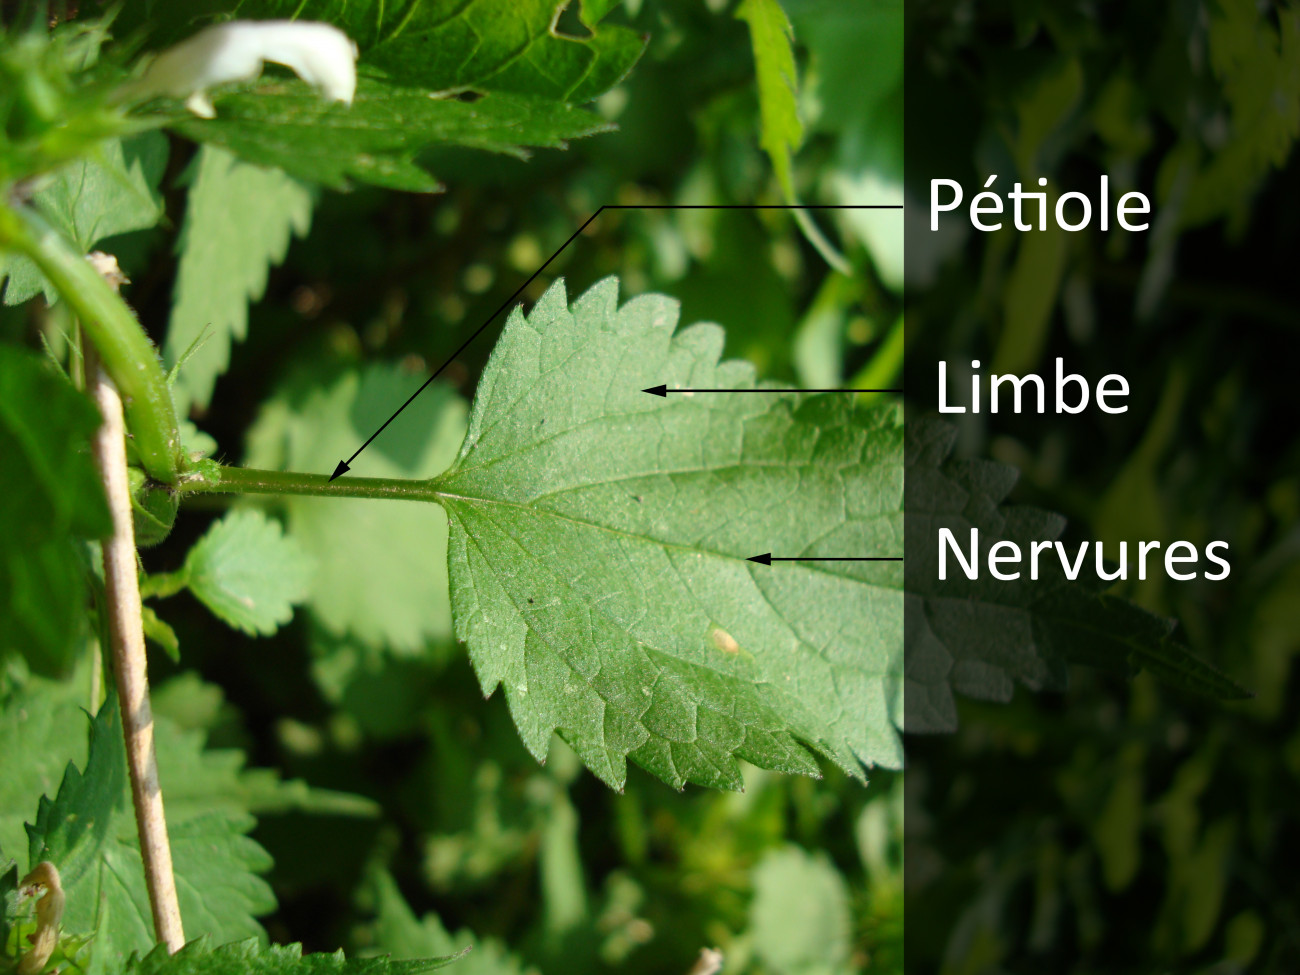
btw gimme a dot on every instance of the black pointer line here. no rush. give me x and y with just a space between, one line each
345 465
767 558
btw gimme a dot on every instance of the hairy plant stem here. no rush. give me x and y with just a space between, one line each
126 633
128 356
245 480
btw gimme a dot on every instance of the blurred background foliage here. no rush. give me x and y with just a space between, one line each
1121 828
365 692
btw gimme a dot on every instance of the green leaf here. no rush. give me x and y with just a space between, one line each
380 573
778 83
799 918
772 39
161 633
486 74
495 45
600 539
377 139
72 829
855 80
398 932
239 219
982 637
599 560
248 573
89 833
251 958
52 498
111 192
42 728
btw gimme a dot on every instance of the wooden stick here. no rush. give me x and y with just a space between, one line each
126 628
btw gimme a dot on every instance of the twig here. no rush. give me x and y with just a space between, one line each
126 629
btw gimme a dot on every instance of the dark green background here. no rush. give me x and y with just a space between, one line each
1121 827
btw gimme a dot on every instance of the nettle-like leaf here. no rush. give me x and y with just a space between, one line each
484 74
50 498
380 572
239 219
88 832
39 734
252 958
600 540
248 572
600 560
112 191
377 139
981 637
43 730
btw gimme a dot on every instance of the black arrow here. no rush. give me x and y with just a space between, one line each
343 465
664 390
767 559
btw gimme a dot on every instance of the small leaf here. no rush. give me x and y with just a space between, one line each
161 633
247 572
239 219
778 82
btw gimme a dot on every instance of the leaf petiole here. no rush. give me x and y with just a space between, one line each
217 479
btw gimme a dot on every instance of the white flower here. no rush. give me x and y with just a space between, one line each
320 54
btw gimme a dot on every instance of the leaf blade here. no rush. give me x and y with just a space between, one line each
248 572
597 574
